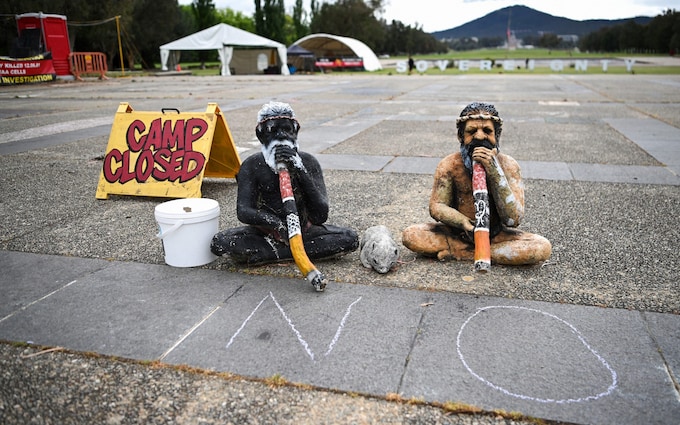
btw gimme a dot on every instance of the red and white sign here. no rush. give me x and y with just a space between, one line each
30 70
340 63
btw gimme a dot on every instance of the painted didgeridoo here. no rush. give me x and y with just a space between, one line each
481 197
297 247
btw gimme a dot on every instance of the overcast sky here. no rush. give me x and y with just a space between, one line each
437 15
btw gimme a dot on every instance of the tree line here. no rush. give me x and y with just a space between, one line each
660 35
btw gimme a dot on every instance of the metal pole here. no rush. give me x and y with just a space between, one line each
120 47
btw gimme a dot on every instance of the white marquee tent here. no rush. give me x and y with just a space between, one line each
334 45
240 52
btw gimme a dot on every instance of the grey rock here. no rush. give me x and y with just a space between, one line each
378 249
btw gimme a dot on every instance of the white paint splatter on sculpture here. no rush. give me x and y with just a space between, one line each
270 150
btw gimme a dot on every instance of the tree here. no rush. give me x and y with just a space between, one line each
300 27
206 17
351 18
358 19
204 13
403 39
631 36
549 40
270 19
314 7
236 19
144 15
660 35
661 29
186 23
396 39
98 32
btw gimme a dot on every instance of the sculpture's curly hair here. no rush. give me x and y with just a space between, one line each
476 111
276 110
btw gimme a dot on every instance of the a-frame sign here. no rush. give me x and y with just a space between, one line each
166 154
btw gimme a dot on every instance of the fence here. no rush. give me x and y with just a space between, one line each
88 63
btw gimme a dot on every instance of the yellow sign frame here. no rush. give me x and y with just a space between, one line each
166 154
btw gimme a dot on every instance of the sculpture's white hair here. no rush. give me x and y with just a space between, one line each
273 110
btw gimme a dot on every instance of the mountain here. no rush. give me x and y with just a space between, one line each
527 21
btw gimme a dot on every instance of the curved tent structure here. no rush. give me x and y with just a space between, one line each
240 51
335 46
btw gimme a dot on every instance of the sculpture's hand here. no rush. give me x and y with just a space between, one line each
484 156
453 218
285 155
468 226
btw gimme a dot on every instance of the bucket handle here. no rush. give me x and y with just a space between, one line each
176 226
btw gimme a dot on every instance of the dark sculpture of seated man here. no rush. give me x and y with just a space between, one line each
452 202
264 238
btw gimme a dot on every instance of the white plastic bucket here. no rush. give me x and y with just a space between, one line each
186 227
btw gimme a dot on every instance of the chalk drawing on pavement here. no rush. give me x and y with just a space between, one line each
297 333
575 331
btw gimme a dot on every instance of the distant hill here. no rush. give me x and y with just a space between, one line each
527 21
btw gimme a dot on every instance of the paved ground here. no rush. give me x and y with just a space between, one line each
592 336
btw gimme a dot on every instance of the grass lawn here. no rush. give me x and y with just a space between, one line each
541 56
594 67
520 54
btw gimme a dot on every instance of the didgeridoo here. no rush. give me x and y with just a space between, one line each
481 196
297 247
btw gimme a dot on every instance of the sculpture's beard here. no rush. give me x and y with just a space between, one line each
466 151
269 152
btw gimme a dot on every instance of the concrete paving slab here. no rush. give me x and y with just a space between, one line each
545 170
555 361
424 138
644 129
623 174
352 337
58 128
353 162
126 309
25 145
659 139
315 140
412 165
667 152
566 363
29 277
665 329
571 140
664 111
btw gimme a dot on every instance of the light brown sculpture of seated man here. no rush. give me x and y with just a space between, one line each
452 203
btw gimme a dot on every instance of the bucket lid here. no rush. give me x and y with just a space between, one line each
188 208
